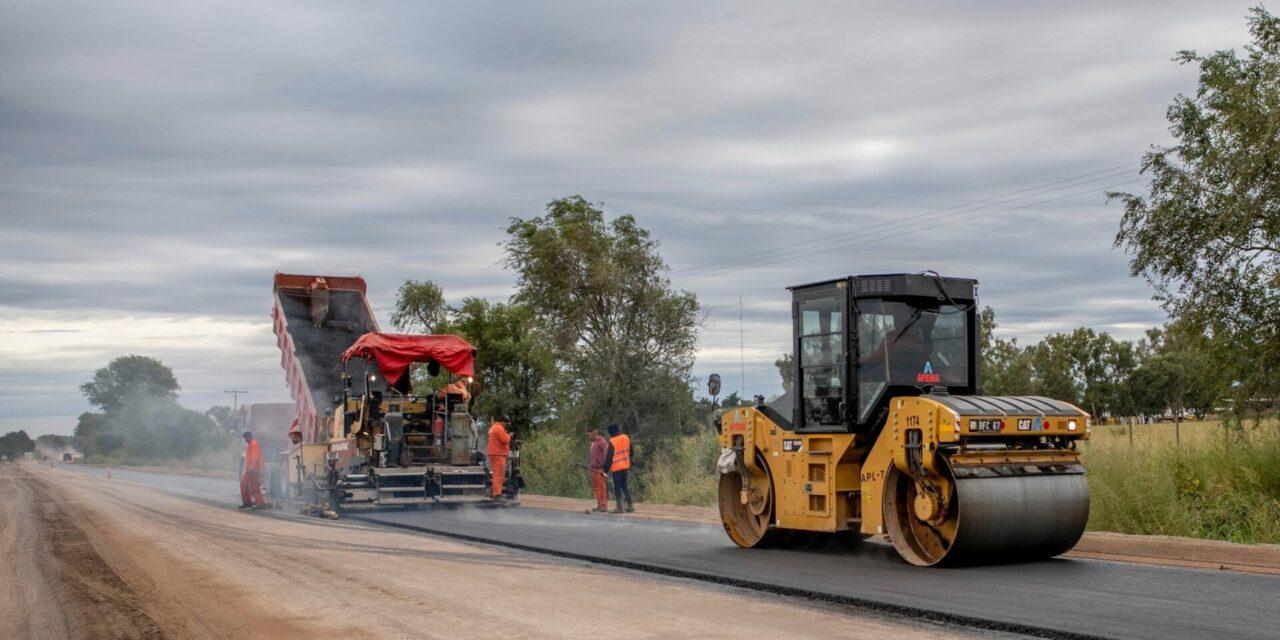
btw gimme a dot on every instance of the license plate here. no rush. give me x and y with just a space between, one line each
984 425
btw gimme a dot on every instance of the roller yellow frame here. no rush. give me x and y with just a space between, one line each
885 432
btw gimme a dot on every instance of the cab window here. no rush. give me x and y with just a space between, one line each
821 316
903 344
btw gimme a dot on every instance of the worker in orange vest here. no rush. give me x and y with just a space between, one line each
250 478
621 464
499 449
596 466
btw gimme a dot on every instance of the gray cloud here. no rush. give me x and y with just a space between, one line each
161 161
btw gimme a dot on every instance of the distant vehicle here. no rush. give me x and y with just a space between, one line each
67 458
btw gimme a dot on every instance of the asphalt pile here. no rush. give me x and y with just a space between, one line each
319 348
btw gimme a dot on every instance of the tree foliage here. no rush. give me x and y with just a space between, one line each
141 419
624 339
127 376
94 434
420 307
53 441
1004 368
1175 369
786 370
225 417
514 366
1207 233
16 443
514 362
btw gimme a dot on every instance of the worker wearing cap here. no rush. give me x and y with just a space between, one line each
250 479
499 449
621 465
596 467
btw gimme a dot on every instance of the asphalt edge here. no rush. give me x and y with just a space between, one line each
763 587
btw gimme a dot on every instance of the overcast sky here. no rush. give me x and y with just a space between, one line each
160 161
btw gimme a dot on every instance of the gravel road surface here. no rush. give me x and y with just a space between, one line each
1072 596
86 557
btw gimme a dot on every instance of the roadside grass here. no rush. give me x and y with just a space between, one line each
1212 486
685 474
680 473
552 464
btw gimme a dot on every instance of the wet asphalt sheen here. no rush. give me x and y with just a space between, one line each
1070 596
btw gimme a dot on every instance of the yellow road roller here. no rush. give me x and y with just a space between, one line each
885 432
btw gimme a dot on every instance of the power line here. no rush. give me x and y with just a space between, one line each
876 238
1005 198
939 214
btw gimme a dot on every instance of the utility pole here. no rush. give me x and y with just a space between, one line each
742 350
235 402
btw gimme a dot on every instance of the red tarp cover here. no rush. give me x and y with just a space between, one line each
395 352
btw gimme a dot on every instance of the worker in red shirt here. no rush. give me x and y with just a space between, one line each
599 459
250 478
499 449
621 465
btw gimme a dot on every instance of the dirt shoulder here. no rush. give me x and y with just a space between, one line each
154 565
1117 547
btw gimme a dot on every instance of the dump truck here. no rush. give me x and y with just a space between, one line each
270 423
885 432
362 436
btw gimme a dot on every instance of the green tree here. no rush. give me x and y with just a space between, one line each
16 443
127 376
1085 367
52 441
786 370
225 417
420 307
623 337
1185 343
94 435
1149 388
161 429
1122 361
515 368
1004 367
1207 233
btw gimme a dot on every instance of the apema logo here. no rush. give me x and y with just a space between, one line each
928 376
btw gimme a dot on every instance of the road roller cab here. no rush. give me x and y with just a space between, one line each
885 432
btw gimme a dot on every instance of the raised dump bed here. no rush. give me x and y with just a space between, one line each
315 318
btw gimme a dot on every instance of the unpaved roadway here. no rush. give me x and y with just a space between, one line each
84 557
1056 598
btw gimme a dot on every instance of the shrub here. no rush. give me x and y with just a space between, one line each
1217 488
